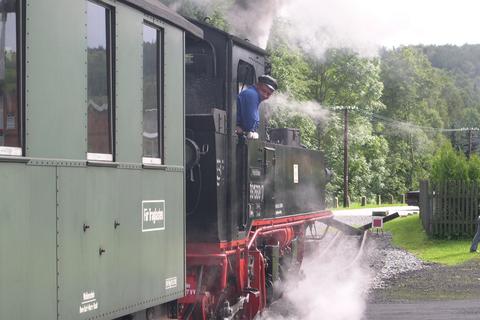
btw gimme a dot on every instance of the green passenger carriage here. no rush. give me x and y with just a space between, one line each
92 217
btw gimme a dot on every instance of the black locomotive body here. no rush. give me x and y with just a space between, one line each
231 181
249 202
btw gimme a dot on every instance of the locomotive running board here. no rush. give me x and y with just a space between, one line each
343 227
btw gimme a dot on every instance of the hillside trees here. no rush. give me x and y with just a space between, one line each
353 82
462 64
418 97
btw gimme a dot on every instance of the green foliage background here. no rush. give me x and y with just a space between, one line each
399 103
449 164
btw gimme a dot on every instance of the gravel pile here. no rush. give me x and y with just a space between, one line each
388 262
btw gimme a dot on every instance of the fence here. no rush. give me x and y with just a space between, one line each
449 208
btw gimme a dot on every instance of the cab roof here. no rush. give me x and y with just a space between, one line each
237 40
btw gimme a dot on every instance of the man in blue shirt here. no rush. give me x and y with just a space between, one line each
248 102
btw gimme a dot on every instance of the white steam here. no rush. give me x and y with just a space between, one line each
283 101
314 27
327 291
363 26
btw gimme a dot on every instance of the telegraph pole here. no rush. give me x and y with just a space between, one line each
345 110
345 158
469 143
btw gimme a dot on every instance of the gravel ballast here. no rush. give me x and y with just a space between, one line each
399 276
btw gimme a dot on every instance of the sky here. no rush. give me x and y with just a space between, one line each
369 23
427 21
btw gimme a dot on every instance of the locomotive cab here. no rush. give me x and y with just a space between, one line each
235 181
217 68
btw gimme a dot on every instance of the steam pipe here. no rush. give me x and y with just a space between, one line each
261 230
360 251
330 244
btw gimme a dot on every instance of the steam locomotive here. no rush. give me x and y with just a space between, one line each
249 202
104 213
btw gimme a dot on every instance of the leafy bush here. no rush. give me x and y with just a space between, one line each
448 164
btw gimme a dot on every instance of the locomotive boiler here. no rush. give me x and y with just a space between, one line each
249 202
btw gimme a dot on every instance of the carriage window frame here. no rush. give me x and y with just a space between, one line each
18 151
159 158
110 72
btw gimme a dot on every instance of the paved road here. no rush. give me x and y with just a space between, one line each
403 210
429 310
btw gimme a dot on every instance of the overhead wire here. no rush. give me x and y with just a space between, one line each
398 123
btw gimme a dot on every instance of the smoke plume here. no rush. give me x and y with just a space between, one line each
253 20
247 19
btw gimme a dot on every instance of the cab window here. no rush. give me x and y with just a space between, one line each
245 75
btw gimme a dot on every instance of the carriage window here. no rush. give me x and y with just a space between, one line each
100 80
11 108
152 95
245 75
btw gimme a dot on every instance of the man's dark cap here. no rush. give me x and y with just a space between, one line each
269 81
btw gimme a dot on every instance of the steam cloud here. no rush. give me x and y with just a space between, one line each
327 291
313 109
364 26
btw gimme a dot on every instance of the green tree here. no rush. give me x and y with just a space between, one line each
292 71
474 168
346 79
350 80
448 164
414 93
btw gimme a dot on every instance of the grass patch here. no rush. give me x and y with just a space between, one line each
358 205
408 234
